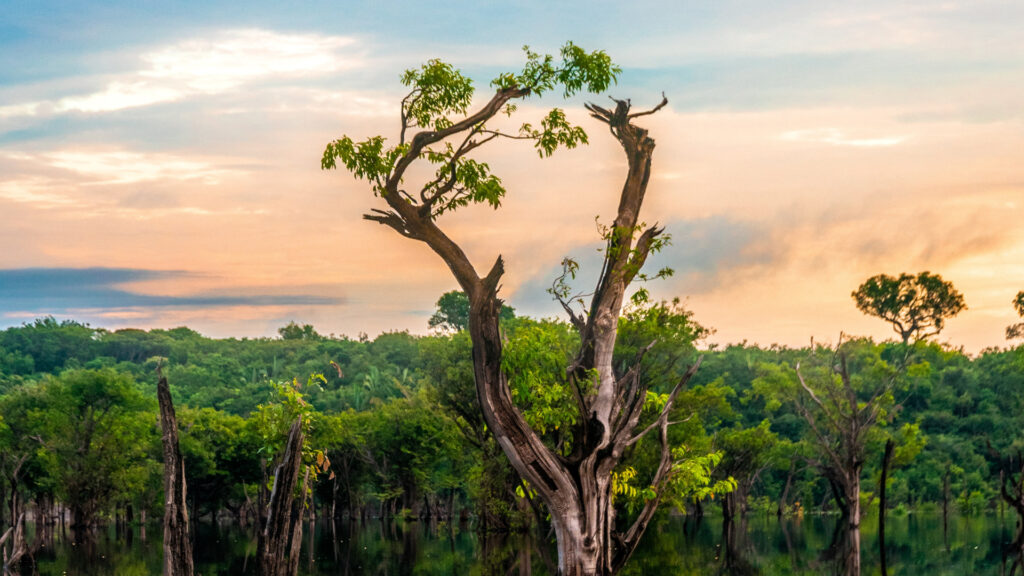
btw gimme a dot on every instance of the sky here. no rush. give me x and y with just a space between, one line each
160 164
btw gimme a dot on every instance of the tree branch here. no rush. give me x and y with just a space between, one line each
663 417
662 104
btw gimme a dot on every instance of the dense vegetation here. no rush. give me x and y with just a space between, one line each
396 418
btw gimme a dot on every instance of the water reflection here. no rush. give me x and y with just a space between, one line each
676 546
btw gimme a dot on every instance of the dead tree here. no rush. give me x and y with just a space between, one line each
281 535
177 536
840 414
886 461
13 545
1012 490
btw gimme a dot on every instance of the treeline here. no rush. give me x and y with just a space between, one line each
395 419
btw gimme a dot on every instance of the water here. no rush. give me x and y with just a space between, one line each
916 545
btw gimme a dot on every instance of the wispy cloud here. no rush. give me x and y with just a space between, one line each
126 167
89 183
837 137
34 191
58 290
205 66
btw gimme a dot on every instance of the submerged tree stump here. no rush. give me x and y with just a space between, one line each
281 535
177 537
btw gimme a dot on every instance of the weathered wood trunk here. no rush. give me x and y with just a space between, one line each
281 535
13 546
1012 491
177 536
576 488
886 461
852 493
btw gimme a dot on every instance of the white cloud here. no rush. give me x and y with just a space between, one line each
836 137
91 183
206 66
123 167
34 191
235 57
118 96
18 110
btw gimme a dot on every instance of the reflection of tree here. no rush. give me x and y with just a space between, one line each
504 555
736 550
1011 488
844 551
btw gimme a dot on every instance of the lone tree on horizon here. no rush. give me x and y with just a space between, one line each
1017 330
575 484
916 306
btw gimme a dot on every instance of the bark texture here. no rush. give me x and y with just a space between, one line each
177 537
281 536
13 545
886 461
1012 490
577 489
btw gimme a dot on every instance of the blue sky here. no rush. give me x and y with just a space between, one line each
159 164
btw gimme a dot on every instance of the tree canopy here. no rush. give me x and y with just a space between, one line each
917 306
1017 330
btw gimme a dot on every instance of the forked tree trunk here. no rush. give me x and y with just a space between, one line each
177 538
576 488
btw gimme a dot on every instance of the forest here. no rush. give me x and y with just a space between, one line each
395 425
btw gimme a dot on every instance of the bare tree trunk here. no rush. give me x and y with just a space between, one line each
785 490
177 539
852 490
852 557
577 489
281 536
1012 491
16 548
886 461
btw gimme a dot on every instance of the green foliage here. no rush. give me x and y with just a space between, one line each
916 306
50 344
534 359
745 450
94 427
691 478
555 131
452 313
420 436
438 105
294 331
577 71
1017 330
909 443
438 91
671 328
368 159
274 420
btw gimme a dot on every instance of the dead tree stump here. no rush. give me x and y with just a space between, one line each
177 537
281 535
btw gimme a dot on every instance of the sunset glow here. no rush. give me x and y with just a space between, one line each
162 170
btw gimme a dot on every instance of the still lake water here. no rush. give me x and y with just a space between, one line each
918 544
